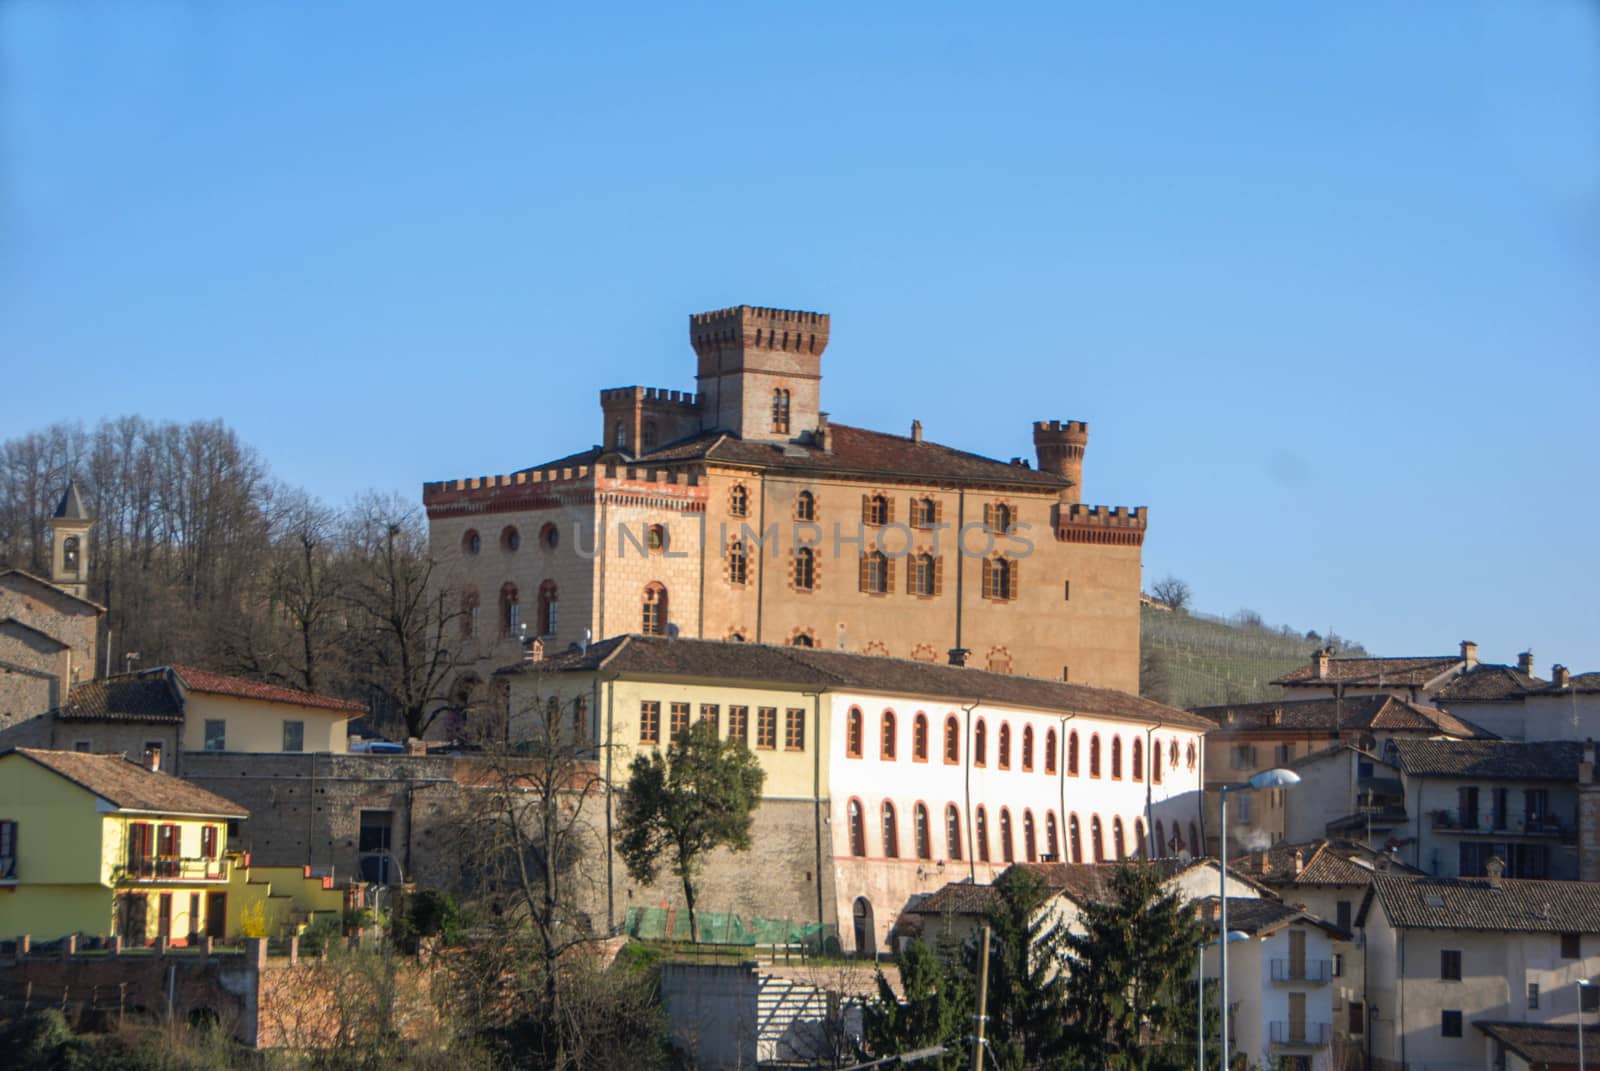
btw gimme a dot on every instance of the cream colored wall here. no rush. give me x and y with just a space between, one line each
257 725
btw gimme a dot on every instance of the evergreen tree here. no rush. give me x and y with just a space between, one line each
1129 998
936 1011
1027 980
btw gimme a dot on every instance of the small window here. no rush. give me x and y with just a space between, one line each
739 724
858 830
655 538
1000 579
739 501
471 542
952 832
69 554
1072 753
1450 1024
1094 755
805 506
678 720
794 729
1450 965
1342 913
294 735
216 734
805 569
952 741
854 731
549 536
980 743
767 728
1571 946
875 573
924 575
924 513
1533 996
891 832
737 565
1007 850
1066 591
649 722
1050 751
886 740
510 539
919 739
1356 1013
208 842
924 837
1005 746
877 510
8 850
780 411
655 611
1116 758
83 746
981 833
549 608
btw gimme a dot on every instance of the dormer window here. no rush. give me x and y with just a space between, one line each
780 411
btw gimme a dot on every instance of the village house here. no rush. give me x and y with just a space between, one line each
1515 704
1418 679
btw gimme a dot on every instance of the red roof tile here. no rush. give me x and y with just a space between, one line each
209 683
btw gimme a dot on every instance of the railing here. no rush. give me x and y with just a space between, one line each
1305 1035
173 868
1312 971
1484 822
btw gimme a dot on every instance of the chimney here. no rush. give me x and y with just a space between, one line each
1319 661
1495 868
958 656
152 759
1525 662
1559 676
1469 653
1266 862
533 651
1299 862
1276 717
916 431
820 436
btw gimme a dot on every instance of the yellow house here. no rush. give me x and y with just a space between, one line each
95 844
225 713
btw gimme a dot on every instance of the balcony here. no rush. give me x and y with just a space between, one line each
174 869
1308 972
1292 1035
1483 823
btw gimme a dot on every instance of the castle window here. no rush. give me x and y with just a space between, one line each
1027 747
739 501
891 832
679 720
767 728
1094 755
1096 841
805 569
854 731
1138 759
1050 751
1074 838
875 569
1052 844
1030 842
924 838
736 562
924 575
655 538
1000 579
780 411
980 743
924 513
471 542
1005 745
1138 838
1116 758
549 608
510 539
647 435
69 555
1007 853
998 517
649 722
875 509
1072 753
919 738
886 742
794 729
655 611
469 612
952 831
805 507
510 610
980 834
1116 838
802 639
952 741
549 536
858 830
619 437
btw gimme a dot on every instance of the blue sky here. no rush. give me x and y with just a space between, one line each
1323 279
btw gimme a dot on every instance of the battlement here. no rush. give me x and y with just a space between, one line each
656 396
1111 525
1060 446
759 327
1061 430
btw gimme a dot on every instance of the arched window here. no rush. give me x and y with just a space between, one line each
738 500
1155 762
1116 837
549 608
1094 755
1051 843
980 743
1172 753
1189 755
919 738
1007 853
1138 838
737 565
1161 840
1050 751
854 732
805 506
647 435
510 611
877 510
891 832
1027 747
69 554
858 830
471 542
886 742
924 838
924 575
510 539
1096 841
1074 838
952 831
655 610
549 536
655 538
619 436
1072 753
999 578
875 573
1030 841
469 612
802 639
1116 758
780 411
1138 759
981 832
924 513
952 741
1005 745
1001 517
805 569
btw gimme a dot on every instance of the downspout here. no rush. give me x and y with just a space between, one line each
611 885
597 577
961 556
1400 1020
700 624
1151 757
972 845
816 800
1061 780
761 576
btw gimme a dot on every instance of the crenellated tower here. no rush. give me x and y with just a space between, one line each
1060 445
760 370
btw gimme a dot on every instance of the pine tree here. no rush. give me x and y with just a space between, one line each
1027 979
936 1011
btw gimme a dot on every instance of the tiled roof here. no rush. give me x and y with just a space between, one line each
719 659
1515 905
209 683
957 898
1324 862
131 787
1582 683
1543 1044
148 696
1486 682
1373 671
1084 882
45 586
1500 760
1325 714
1255 916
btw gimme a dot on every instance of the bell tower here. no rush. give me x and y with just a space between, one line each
69 544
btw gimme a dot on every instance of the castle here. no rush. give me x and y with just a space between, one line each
739 512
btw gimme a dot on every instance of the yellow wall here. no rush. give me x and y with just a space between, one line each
291 898
46 912
114 840
52 814
257 725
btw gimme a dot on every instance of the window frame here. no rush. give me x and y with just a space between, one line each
766 728
650 721
888 736
298 727
794 729
215 734
855 734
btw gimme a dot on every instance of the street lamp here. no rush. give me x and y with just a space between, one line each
1278 778
1234 937
1583 983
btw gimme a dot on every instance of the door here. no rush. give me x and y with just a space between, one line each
1297 1017
1297 953
164 916
130 918
217 915
866 928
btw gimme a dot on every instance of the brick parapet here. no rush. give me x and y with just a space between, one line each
755 326
657 396
1107 525
662 488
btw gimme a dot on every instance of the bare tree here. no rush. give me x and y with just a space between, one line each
1172 591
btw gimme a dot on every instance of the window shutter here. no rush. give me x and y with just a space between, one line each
888 574
911 574
938 510
863 577
866 509
988 567
1016 579
888 507
988 515
938 575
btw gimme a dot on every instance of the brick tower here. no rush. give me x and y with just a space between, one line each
760 370
1060 446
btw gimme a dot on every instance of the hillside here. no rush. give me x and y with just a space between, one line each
1193 659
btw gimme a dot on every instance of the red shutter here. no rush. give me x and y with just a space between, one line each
888 509
1016 580
938 510
988 568
988 515
938 575
863 577
888 574
866 509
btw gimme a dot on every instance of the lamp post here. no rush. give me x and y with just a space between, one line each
1234 937
1583 983
1278 778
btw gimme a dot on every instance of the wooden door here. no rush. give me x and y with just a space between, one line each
217 915
1297 953
1297 1017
